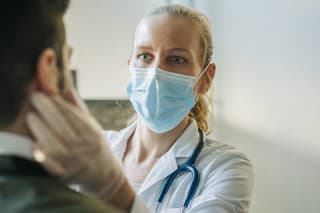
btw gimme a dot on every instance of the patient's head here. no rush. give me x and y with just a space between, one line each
32 52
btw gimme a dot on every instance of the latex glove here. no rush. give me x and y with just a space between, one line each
69 145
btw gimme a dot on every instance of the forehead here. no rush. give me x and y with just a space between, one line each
168 31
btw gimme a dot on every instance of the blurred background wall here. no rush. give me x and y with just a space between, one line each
101 33
266 90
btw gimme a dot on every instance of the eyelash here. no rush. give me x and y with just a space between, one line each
144 54
168 59
177 57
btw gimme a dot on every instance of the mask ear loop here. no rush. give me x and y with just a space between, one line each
197 79
203 71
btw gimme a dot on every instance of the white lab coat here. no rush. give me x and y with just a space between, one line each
226 177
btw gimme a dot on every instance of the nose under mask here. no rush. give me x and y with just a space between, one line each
161 98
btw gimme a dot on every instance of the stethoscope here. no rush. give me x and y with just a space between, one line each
187 166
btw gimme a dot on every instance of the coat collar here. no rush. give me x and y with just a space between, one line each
15 145
16 156
182 148
187 142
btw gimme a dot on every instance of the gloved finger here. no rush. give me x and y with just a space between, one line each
49 163
73 97
65 167
42 134
53 117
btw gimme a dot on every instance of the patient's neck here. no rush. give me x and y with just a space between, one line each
18 126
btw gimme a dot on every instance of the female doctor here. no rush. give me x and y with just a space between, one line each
168 164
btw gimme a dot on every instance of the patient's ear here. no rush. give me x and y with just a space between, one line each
46 79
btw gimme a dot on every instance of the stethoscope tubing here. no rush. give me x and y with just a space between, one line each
185 167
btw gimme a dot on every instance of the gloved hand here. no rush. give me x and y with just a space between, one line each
69 144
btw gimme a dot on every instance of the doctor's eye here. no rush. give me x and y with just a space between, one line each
145 57
176 60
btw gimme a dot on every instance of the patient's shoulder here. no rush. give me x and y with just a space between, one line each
45 194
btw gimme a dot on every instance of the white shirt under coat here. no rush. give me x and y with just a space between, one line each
226 176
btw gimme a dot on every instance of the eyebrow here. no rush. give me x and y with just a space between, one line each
179 50
144 47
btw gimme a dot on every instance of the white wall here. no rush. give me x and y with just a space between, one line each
267 85
101 33
267 95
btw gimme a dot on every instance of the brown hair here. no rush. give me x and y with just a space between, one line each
27 29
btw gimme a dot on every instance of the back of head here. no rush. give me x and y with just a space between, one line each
201 111
27 28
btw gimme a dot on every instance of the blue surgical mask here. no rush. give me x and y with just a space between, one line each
161 98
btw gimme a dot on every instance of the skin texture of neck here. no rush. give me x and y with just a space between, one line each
146 144
18 126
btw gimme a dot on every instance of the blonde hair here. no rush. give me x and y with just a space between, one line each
202 109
